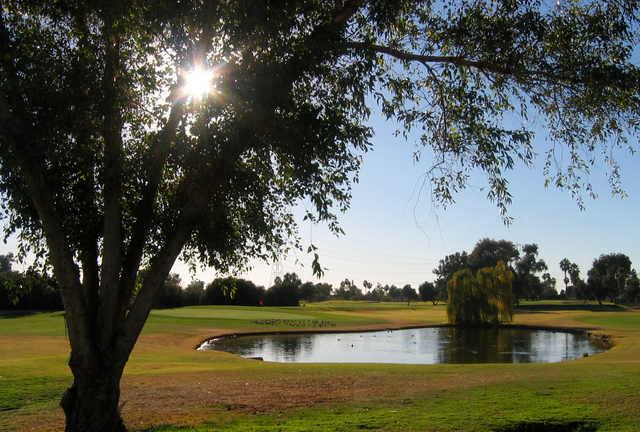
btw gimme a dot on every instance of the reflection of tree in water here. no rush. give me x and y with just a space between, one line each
559 346
483 345
460 345
245 346
283 347
515 345
290 347
286 346
456 345
307 343
270 347
578 345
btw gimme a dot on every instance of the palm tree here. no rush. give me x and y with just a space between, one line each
565 266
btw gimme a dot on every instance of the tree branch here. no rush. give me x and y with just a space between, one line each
158 271
196 194
144 210
426 59
521 75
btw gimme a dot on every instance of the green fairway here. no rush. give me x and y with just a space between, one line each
237 312
626 322
42 324
168 386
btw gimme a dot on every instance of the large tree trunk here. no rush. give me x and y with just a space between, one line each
91 403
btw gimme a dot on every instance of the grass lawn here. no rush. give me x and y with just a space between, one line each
168 386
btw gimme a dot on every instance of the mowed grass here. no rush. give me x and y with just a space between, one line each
170 387
233 312
614 320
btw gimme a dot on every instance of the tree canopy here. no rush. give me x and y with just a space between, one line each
527 267
565 266
487 252
523 262
30 290
607 276
428 292
107 165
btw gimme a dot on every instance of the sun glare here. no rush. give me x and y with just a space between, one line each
198 83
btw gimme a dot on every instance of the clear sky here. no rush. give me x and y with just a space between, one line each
395 235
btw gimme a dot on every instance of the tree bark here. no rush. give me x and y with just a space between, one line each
91 404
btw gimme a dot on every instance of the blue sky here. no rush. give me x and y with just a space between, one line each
396 235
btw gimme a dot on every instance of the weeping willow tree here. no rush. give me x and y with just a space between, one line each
484 297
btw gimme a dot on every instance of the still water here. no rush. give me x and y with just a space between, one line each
413 346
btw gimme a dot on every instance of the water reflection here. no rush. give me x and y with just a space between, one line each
414 346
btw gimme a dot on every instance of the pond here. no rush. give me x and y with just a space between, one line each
428 345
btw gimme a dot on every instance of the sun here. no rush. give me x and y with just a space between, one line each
198 82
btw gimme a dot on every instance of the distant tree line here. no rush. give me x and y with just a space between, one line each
611 278
32 290
288 290
26 290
